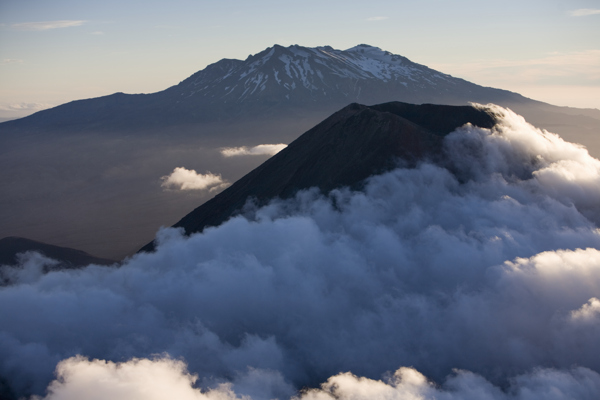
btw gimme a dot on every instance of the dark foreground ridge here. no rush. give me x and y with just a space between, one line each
67 257
346 148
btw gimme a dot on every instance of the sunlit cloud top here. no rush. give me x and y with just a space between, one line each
186 179
260 150
43 26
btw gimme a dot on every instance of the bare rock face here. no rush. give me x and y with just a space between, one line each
343 150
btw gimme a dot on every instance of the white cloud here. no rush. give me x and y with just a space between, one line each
584 12
587 312
185 179
45 25
376 18
165 378
261 149
487 261
410 384
137 379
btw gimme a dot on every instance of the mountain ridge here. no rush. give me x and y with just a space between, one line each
277 77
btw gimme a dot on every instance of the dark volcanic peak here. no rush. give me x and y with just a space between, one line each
343 150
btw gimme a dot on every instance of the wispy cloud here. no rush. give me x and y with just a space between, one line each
186 179
584 12
24 106
45 25
581 67
260 150
376 18
6 61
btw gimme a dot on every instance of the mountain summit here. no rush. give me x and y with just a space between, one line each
302 75
278 81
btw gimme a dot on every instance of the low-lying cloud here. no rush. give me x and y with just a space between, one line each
186 179
260 150
477 276
163 378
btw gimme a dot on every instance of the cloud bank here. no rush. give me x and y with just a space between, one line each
164 378
261 149
186 179
477 277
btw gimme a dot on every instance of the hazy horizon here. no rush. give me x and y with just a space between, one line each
51 54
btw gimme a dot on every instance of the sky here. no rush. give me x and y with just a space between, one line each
63 50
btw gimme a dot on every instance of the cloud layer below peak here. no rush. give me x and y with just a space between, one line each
481 273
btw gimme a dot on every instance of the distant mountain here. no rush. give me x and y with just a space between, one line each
10 247
86 174
351 145
276 80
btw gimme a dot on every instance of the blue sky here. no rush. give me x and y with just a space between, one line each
55 51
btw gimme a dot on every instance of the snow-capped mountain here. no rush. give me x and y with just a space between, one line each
303 75
272 82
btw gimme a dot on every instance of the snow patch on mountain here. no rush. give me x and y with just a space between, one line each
319 73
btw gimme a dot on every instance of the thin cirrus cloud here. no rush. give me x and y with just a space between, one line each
582 67
24 106
376 18
7 61
186 179
584 12
260 150
46 25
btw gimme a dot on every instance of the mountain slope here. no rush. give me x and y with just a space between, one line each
275 80
293 83
345 149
